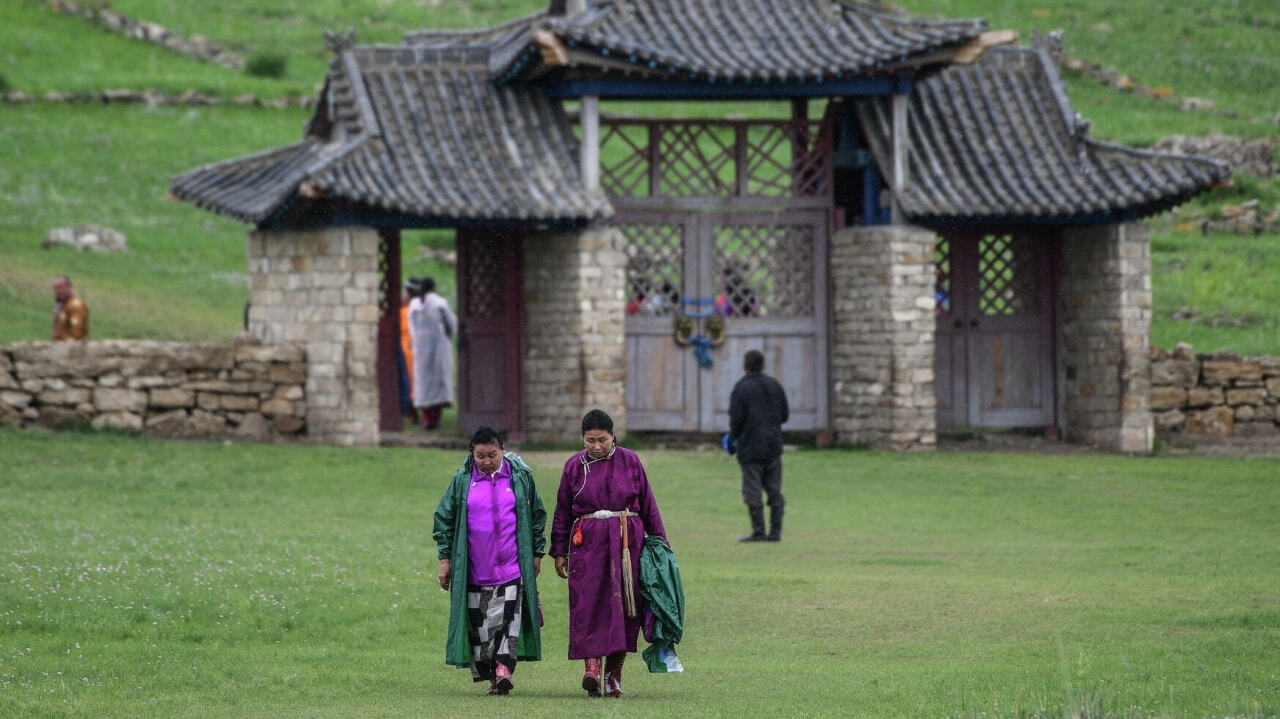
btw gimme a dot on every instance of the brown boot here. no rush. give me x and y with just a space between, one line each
613 674
591 678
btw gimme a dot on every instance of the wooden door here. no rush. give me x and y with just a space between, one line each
763 274
995 333
662 377
767 274
491 319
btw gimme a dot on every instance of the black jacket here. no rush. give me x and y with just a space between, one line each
757 411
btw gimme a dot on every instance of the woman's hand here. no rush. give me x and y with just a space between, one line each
446 571
562 567
537 566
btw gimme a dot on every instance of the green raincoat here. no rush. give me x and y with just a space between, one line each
450 533
664 594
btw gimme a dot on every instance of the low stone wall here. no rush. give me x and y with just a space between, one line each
1220 394
196 46
165 389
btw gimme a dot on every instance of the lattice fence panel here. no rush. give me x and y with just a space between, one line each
697 160
624 159
764 270
388 295
942 276
655 268
787 159
1006 277
485 282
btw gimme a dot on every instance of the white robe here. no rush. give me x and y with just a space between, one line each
431 326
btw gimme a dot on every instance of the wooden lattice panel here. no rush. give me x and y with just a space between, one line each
776 159
624 159
485 282
764 270
696 160
655 261
1006 277
942 276
787 159
388 295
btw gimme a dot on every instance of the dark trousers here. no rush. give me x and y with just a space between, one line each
766 475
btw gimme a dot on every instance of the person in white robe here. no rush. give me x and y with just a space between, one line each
432 326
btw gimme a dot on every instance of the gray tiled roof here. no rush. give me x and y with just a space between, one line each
756 40
418 130
998 140
503 42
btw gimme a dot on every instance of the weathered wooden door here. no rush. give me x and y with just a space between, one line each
726 220
762 275
490 348
995 331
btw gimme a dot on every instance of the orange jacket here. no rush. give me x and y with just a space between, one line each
72 320
406 343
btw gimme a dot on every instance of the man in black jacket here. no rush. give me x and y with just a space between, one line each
757 411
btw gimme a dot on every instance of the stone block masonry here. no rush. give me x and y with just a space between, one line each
320 290
1214 395
575 305
1105 302
165 389
882 348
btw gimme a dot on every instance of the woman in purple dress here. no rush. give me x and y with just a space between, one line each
604 509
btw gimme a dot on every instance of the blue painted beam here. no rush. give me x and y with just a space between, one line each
672 89
375 218
1098 218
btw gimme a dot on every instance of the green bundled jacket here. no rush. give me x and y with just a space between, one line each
450 533
664 592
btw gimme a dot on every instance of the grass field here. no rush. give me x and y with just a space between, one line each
141 578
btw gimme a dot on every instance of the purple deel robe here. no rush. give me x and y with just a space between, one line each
598 624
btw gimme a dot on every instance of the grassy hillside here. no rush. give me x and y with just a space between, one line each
184 274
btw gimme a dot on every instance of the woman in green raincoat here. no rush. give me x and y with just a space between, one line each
489 532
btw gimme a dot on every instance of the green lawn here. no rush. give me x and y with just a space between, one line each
142 578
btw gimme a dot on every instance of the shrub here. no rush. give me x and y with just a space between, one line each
266 64
4 83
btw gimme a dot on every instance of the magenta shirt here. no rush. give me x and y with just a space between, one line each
493 557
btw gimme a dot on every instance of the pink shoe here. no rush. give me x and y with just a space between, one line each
501 680
591 678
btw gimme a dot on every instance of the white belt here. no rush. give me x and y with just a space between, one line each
605 514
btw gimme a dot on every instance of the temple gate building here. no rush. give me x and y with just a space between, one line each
927 240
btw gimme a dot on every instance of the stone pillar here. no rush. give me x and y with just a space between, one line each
319 289
1106 331
882 346
575 348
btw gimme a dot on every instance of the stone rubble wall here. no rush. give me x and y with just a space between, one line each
164 389
575 309
882 347
1105 337
155 98
1255 156
1214 395
196 46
